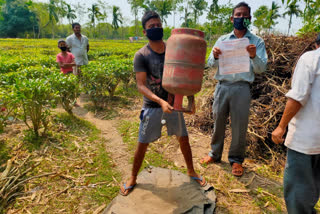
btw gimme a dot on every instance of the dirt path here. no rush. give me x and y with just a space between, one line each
117 150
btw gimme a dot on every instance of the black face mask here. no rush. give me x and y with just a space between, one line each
155 34
241 23
63 48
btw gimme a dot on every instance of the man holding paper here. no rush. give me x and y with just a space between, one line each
238 56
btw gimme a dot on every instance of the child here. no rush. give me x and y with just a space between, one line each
65 59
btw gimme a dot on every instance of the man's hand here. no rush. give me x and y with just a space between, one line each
252 50
277 135
166 107
216 52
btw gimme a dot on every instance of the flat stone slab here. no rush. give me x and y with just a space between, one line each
164 191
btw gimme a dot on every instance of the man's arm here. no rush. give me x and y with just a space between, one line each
299 93
259 61
291 109
66 65
212 60
69 44
141 78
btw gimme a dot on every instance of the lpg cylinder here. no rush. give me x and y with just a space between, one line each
184 64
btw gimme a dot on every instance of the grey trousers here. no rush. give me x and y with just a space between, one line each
233 99
301 182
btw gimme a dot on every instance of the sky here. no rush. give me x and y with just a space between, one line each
281 27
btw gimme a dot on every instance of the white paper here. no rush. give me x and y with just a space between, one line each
234 57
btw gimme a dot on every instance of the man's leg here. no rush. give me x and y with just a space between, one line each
177 126
239 111
149 131
300 189
137 162
187 154
220 110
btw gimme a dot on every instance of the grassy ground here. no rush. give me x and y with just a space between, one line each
154 157
84 178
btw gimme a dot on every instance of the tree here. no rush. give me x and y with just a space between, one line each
41 15
163 7
219 17
198 6
135 6
80 10
213 10
116 17
16 19
1 5
53 15
94 14
187 21
273 14
311 17
175 7
261 17
292 10
70 14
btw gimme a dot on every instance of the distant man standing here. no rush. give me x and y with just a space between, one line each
78 44
301 178
232 93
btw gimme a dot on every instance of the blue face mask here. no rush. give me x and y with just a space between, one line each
241 23
155 34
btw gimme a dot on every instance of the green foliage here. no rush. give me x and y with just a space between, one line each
30 83
35 97
67 88
94 13
198 7
116 17
16 19
187 21
104 76
219 20
273 15
310 15
265 17
292 10
135 6
70 13
311 18
8 106
260 16
167 32
163 7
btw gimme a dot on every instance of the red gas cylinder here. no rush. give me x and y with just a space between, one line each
184 64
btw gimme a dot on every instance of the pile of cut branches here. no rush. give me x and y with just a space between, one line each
268 95
13 179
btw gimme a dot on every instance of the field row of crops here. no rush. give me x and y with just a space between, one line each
31 83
